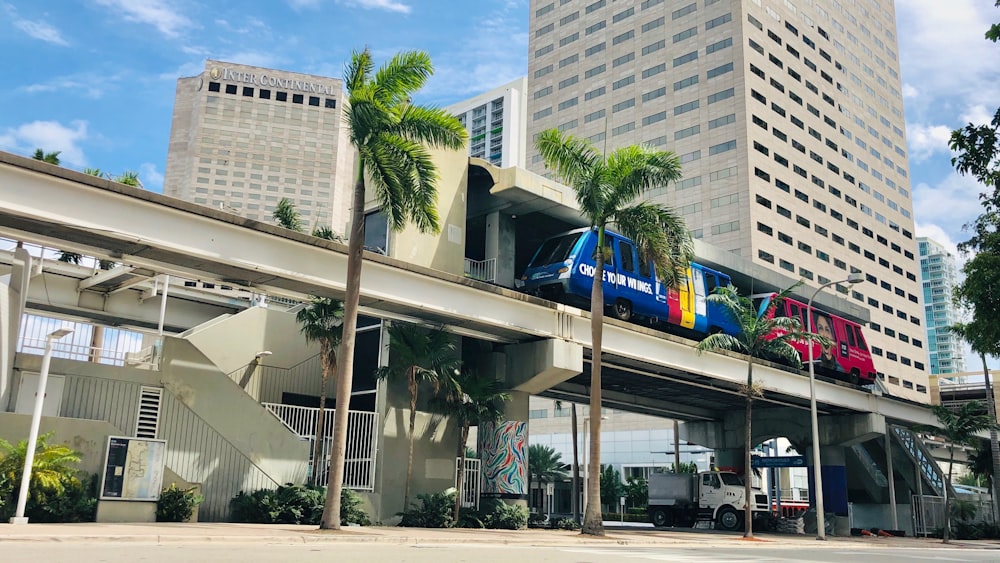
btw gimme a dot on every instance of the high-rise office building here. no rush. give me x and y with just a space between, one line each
939 276
788 118
496 122
243 138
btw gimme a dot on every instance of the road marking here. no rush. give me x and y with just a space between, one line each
683 555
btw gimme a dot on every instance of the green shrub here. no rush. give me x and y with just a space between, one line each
498 515
288 504
566 524
177 505
537 521
350 509
435 511
617 516
56 493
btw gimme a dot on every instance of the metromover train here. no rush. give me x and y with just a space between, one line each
563 267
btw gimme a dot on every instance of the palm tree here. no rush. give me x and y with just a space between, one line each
50 157
327 233
544 464
761 335
471 400
960 428
323 322
606 189
421 356
574 430
389 134
287 216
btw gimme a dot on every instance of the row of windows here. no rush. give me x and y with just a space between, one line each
265 94
830 143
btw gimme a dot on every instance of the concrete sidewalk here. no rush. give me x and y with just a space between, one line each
162 533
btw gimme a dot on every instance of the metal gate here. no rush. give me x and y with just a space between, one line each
928 514
470 486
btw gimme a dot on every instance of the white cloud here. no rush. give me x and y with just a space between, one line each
49 136
910 91
938 235
90 85
41 31
157 13
948 206
152 179
925 140
490 54
387 5
977 115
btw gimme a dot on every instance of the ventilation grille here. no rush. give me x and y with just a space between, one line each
148 422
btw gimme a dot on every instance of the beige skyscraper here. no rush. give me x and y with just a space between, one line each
788 118
243 138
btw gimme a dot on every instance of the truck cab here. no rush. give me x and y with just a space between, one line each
718 496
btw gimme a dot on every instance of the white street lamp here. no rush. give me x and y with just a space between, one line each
817 466
36 418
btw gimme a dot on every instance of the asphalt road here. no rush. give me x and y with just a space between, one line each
235 552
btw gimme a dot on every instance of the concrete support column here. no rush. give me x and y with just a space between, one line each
13 299
730 459
500 240
503 449
834 485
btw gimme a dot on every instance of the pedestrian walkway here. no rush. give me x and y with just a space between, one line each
182 533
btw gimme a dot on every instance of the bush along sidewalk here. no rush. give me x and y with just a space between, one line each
294 504
58 492
176 504
435 511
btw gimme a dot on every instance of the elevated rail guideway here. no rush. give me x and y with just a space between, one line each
647 371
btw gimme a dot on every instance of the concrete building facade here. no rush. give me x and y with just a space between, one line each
939 275
788 118
496 121
242 138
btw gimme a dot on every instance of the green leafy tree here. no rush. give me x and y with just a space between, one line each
53 478
608 190
322 321
327 233
545 465
685 467
762 334
287 216
960 428
389 133
418 356
636 492
612 487
50 157
470 399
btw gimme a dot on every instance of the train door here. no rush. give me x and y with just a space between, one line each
703 283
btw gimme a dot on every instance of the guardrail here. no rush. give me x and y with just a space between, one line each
482 270
89 343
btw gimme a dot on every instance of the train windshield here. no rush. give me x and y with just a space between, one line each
555 250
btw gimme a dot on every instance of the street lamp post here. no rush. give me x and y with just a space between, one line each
36 418
817 466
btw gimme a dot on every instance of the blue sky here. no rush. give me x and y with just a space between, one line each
95 78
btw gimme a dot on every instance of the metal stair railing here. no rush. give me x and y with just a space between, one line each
929 469
868 462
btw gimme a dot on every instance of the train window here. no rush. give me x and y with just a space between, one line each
644 269
851 339
555 250
861 341
710 282
627 256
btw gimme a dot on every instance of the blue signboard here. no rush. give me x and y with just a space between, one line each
780 461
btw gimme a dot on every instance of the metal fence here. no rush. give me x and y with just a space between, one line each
88 343
470 481
362 442
482 270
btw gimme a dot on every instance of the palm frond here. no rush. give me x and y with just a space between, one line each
573 159
401 76
432 126
660 236
358 70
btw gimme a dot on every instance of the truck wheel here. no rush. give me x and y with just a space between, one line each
662 518
855 377
728 519
623 310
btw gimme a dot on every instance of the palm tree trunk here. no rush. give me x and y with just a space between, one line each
747 488
592 523
463 437
355 245
947 498
412 385
321 414
575 499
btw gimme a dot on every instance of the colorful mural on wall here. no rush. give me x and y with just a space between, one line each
503 449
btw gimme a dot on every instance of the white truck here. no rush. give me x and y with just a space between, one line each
683 499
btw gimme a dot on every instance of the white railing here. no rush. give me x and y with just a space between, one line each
470 481
482 270
115 346
362 441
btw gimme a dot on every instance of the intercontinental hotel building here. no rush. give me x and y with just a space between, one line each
788 118
243 138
